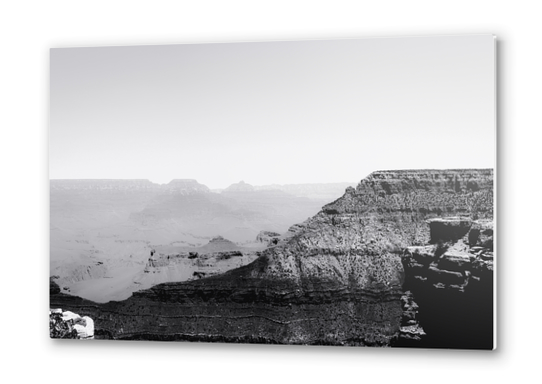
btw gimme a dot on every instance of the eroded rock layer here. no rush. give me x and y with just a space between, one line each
335 279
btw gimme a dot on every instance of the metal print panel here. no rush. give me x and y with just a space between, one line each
327 192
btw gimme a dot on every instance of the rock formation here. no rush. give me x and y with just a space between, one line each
338 278
268 237
240 187
69 325
185 186
451 282
192 263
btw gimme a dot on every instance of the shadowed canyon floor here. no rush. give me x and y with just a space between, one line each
403 259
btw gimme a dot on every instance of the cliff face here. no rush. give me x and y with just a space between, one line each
451 282
335 279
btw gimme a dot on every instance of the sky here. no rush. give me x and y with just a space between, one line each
284 112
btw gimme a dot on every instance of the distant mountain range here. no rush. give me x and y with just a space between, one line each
238 212
317 191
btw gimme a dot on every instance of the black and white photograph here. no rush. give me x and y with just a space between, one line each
335 192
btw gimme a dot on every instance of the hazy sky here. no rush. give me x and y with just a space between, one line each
272 112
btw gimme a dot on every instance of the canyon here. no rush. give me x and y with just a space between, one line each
404 259
103 231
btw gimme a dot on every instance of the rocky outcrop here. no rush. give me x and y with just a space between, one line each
69 325
411 331
185 187
268 237
338 278
451 282
191 263
219 244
